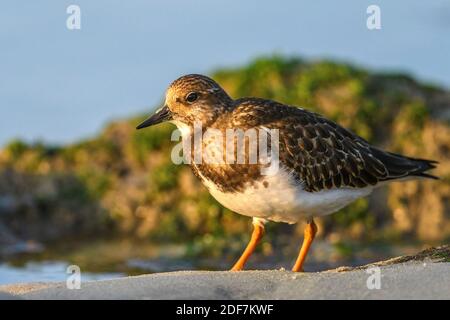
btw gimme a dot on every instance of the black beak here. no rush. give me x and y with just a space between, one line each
161 115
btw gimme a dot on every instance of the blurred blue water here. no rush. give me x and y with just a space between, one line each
61 85
46 271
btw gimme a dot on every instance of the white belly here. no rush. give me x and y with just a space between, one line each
284 200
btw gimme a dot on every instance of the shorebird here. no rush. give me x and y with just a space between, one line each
322 167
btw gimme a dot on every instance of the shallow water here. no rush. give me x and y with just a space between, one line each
46 271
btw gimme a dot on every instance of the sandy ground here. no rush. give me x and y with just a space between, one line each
407 280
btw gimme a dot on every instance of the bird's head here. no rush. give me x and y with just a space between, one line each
191 98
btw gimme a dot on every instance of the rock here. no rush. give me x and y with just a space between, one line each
422 276
11 245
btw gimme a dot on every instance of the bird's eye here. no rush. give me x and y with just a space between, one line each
191 97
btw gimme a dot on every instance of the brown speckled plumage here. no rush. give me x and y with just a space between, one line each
319 153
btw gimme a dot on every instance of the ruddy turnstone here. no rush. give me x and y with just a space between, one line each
322 167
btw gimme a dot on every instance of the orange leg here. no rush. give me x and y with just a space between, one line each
258 232
310 233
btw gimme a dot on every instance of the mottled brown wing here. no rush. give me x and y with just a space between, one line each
320 153
324 155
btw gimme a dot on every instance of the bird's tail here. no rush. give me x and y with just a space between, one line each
399 166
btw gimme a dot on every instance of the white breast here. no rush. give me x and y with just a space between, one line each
280 198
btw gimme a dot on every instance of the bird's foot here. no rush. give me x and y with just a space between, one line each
237 267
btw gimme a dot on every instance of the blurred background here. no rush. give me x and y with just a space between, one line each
78 184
